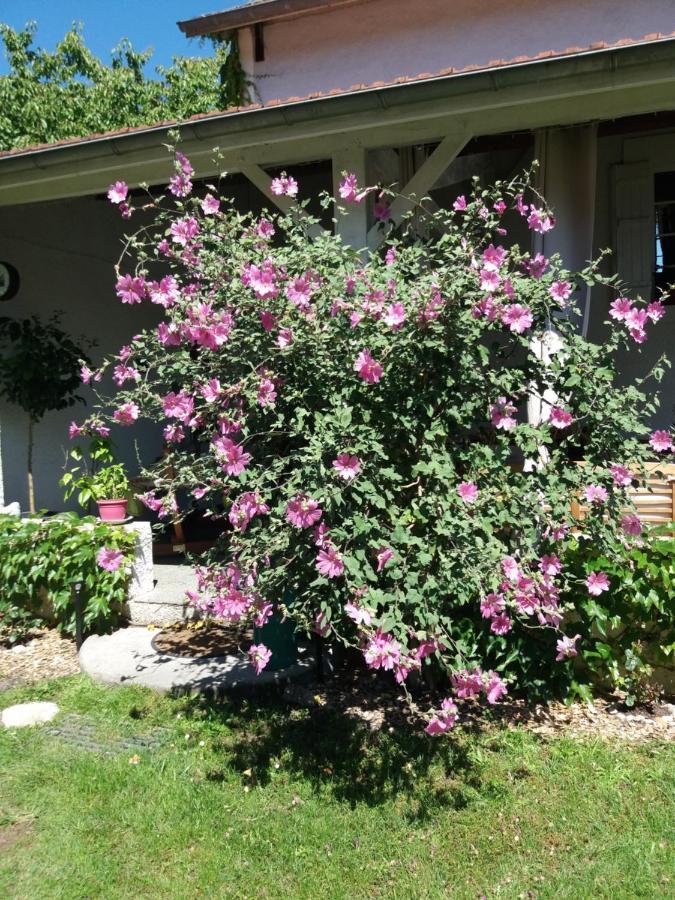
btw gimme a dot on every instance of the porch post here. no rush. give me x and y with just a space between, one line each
352 224
567 179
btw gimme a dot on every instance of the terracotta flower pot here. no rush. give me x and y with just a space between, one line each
112 510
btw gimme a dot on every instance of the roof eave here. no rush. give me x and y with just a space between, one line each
273 10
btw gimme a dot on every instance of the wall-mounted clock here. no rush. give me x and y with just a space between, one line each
9 281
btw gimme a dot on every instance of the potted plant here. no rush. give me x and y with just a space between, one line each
106 482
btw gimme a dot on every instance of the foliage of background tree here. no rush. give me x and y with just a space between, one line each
39 371
70 92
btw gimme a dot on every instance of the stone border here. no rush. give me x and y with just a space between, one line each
128 657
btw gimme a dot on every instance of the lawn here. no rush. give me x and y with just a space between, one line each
140 796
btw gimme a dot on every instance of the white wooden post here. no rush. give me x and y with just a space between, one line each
352 218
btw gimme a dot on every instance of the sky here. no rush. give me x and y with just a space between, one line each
147 23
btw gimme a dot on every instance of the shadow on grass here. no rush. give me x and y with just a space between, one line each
333 750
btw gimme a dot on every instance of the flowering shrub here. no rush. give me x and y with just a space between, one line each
43 558
360 428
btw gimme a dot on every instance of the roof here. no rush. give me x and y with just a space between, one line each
443 74
253 12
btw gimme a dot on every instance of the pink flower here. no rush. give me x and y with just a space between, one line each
231 456
384 554
347 466
539 221
661 441
180 184
285 185
173 434
620 308
268 320
501 624
621 475
259 656
117 192
382 651
395 316
537 266
245 508
284 338
109 559
550 565
560 418
493 257
442 721
595 493
561 291
349 188
565 647
597 583
491 605
267 393
131 289
519 318
211 391
656 311
510 568
165 292
501 414
264 229
210 205
183 163
460 203
489 280
358 614
635 322
495 688
468 684
122 374
631 524
168 334
367 367
183 231
179 406
382 210
468 491
303 511
263 614
126 414
390 256
329 563
74 430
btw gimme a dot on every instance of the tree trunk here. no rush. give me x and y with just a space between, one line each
31 486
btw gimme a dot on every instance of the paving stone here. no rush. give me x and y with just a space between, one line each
22 714
128 656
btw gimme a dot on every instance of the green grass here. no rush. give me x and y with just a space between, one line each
289 803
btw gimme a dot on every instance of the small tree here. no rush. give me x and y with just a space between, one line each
39 371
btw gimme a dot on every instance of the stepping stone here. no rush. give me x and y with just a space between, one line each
22 714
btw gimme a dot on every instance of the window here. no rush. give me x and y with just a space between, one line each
664 218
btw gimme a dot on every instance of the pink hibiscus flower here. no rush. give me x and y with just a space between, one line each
358 614
303 511
367 367
661 441
117 192
126 414
109 559
631 524
395 316
259 655
384 554
560 418
595 493
501 624
621 475
468 491
566 647
210 205
597 583
519 318
442 721
492 605
501 414
347 466
561 291
285 185
329 563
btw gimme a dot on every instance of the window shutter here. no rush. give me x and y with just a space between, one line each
634 226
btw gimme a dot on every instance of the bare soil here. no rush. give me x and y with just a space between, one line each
208 639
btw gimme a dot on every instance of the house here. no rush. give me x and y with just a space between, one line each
424 94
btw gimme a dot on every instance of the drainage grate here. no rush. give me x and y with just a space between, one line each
84 734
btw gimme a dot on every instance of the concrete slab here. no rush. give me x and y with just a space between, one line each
22 714
128 656
165 602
